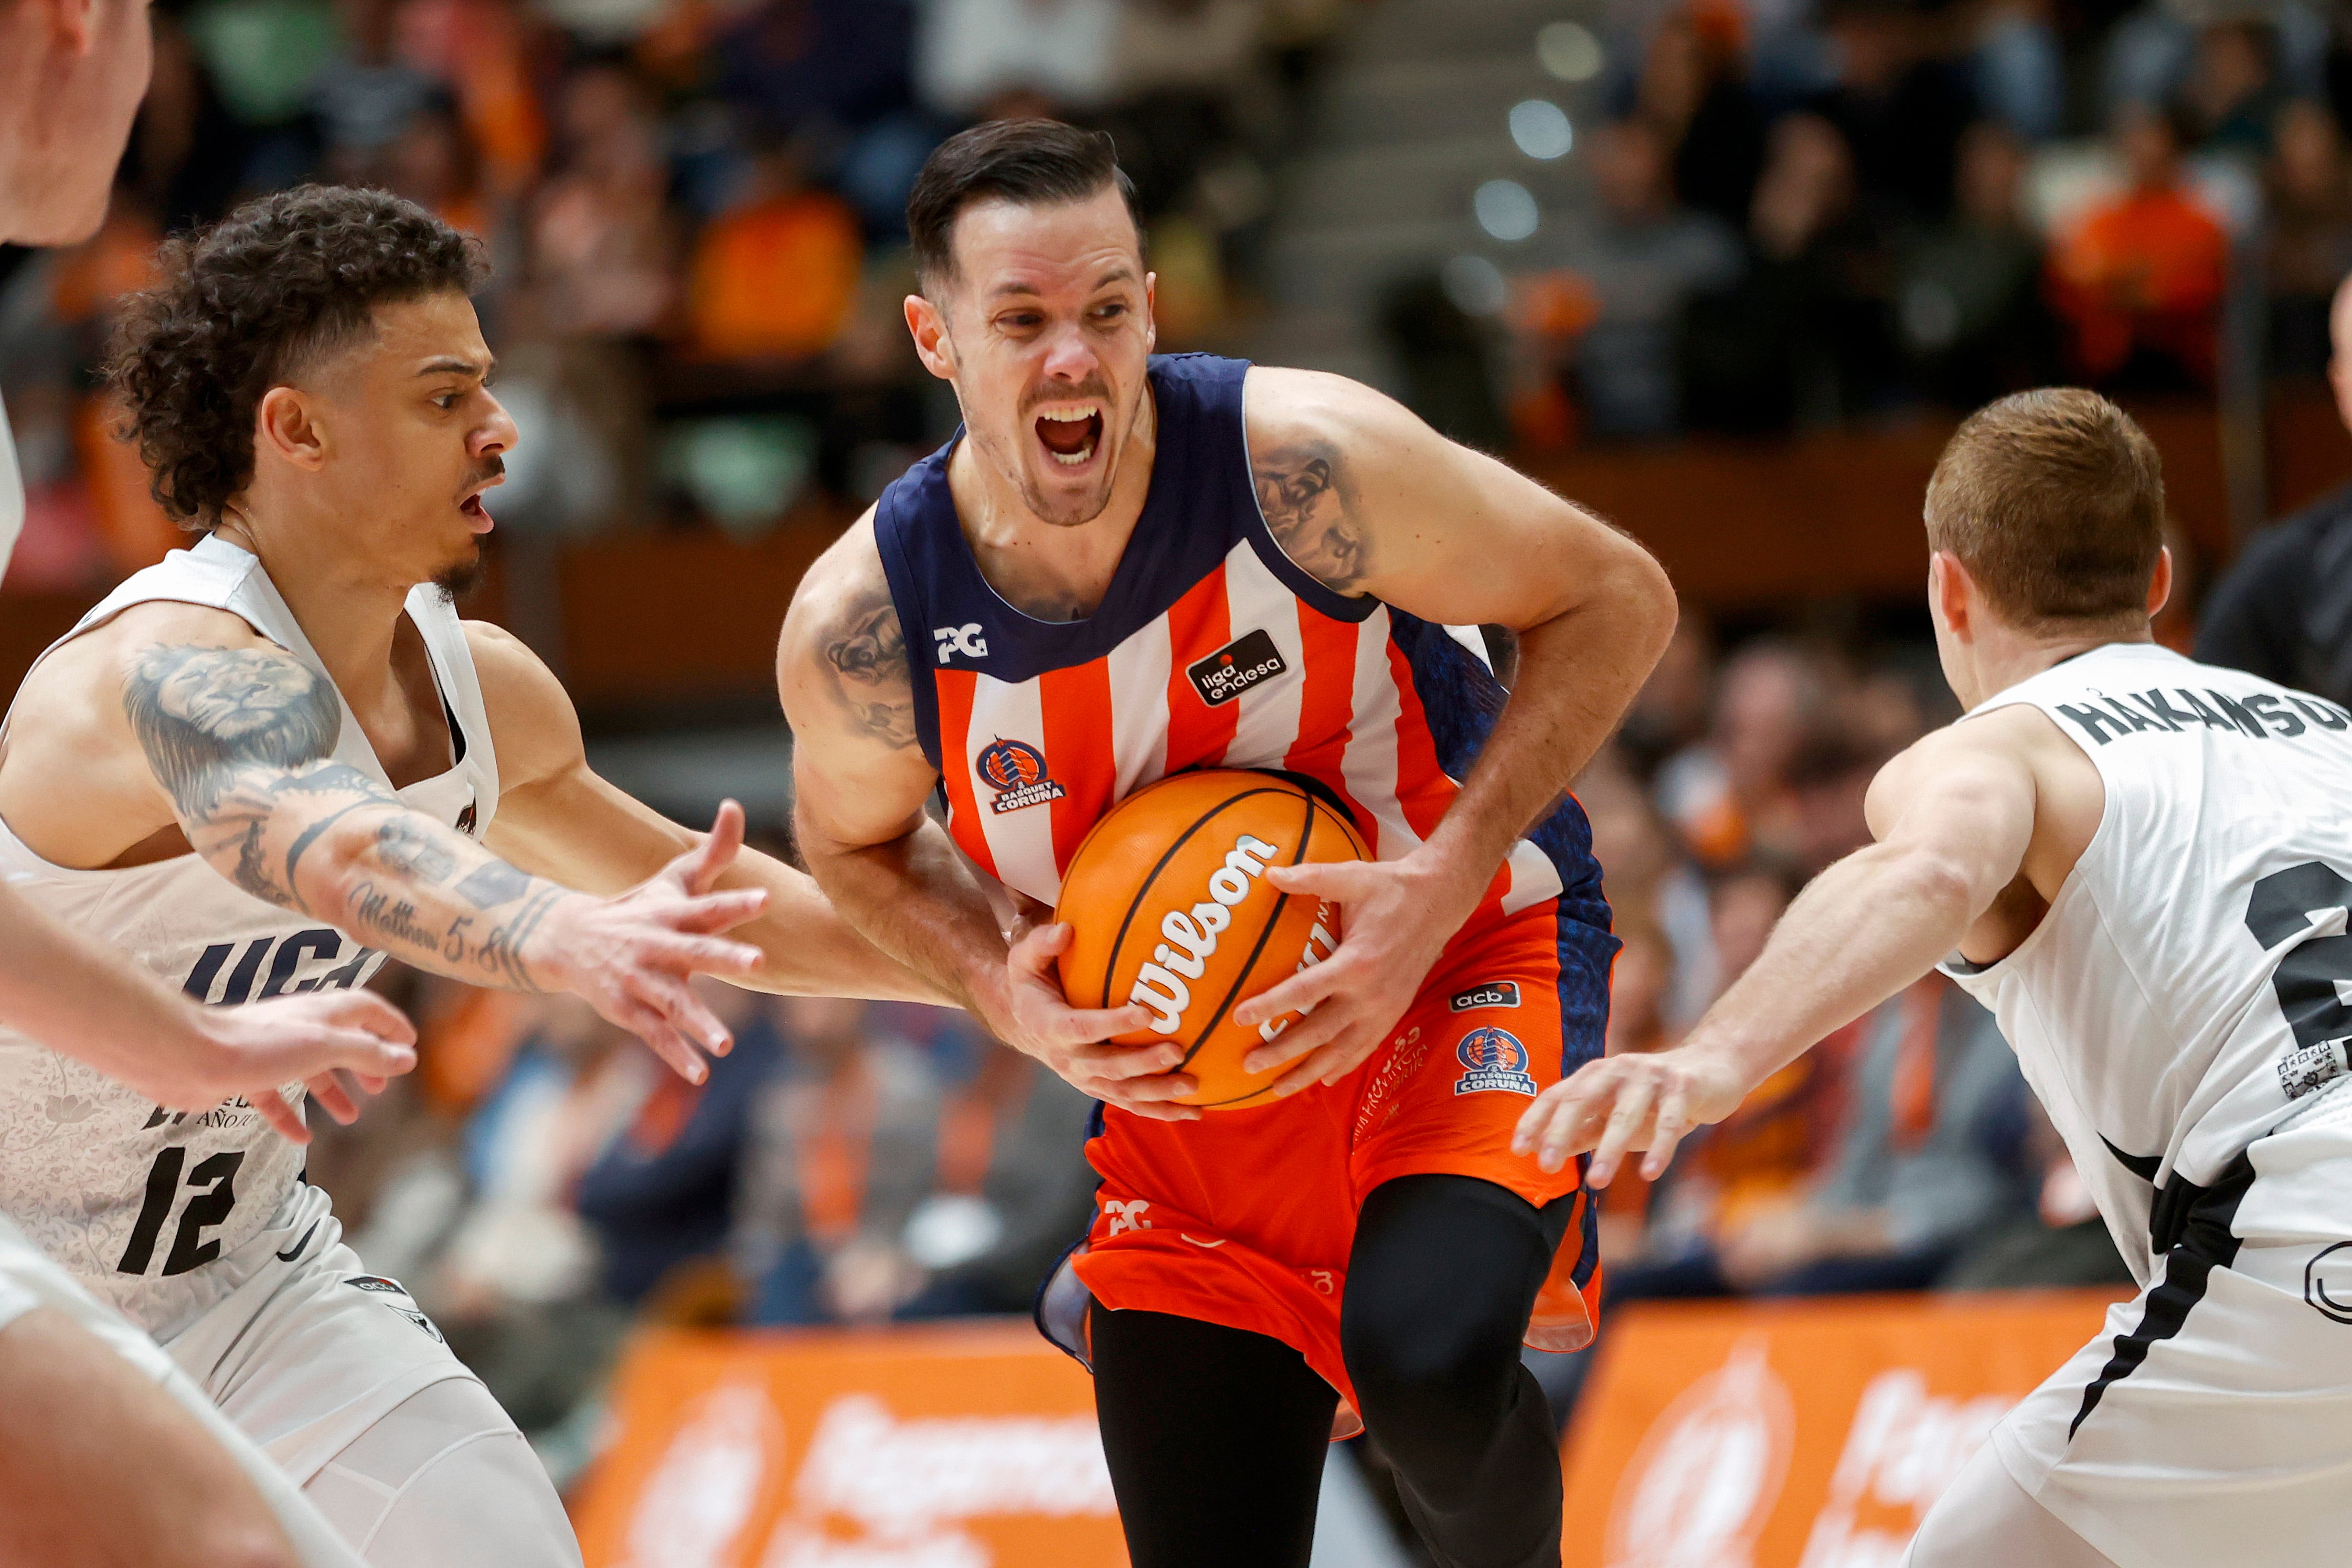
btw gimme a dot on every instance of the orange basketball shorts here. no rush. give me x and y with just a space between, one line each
1246 1218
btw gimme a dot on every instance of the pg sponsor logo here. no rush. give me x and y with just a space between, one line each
1016 771
1493 994
1249 659
964 639
1492 1062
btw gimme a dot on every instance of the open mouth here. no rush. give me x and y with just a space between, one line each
475 513
1071 433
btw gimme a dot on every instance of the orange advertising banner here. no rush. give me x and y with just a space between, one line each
1800 1434
962 1446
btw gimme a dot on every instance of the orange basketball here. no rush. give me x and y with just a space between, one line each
1171 908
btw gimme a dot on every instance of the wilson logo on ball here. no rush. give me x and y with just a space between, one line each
1160 985
1016 771
1492 1062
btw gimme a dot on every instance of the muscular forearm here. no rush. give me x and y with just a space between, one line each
1860 932
77 998
809 949
914 899
1577 673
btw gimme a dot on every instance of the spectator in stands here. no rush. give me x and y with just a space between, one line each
1973 319
1730 794
1806 338
1900 107
433 162
2139 279
2310 249
2053 1239
2020 68
603 246
844 1144
1925 1158
369 95
773 276
1641 263
1693 92
2233 93
661 1193
2284 610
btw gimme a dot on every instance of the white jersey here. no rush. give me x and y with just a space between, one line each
12 492
138 1202
2181 995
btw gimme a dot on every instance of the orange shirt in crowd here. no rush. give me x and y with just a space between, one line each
2144 271
775 279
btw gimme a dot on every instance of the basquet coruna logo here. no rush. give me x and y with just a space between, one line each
1016 771
1492 1062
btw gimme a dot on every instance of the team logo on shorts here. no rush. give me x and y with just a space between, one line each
1492 1062
1247 660
1493 994
1016 771
377 1283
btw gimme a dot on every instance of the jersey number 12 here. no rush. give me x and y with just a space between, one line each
214 1183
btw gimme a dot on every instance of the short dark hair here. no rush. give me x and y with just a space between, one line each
1036 162
252 300
2054 502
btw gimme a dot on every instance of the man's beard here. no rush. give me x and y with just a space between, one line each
460 579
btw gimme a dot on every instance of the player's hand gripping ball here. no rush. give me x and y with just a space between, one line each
1169 907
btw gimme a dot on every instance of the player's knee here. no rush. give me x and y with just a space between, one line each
1434 1380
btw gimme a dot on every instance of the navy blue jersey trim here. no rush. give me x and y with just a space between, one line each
907 595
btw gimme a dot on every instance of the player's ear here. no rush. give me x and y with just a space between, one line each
927 325
285 425
2160 582
1951 591
1151 312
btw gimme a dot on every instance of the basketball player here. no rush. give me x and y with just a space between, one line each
2143 865
266 763
97 1464
1126 566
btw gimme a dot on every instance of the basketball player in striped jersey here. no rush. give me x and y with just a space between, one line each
109 1452
265 763
1125 566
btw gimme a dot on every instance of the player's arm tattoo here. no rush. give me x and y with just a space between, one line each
243 742
864 652
1307 495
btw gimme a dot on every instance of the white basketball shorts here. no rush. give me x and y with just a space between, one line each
2212 1423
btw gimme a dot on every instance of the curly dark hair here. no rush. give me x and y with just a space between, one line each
248 303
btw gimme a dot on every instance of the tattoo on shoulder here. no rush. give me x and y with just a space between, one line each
1308 496
204 715
865 651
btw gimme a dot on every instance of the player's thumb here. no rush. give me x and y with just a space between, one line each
364 1010
1035 952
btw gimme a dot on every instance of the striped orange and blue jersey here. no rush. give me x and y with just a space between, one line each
1210 649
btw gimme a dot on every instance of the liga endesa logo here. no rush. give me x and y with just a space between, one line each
1016 771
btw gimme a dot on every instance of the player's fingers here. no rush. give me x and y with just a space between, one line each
1557 1111
1298 1037
1296 994
1673 1122
1152 1089
715 912
660 1039
1035 951
329 1091
280 1115
366 1010
1339 881
685 1012
1115 1064
698 956
1158 1110
1627 1120
1085 1026
700 868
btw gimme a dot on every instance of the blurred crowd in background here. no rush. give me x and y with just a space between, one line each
1779 213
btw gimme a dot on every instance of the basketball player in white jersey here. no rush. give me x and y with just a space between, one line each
279 755
2144 866
98 1462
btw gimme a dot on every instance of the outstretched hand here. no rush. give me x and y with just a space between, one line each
1622 1104
631 955
1039 1021
1395 919
342 1046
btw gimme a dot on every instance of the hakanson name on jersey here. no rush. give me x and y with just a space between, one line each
2258 715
